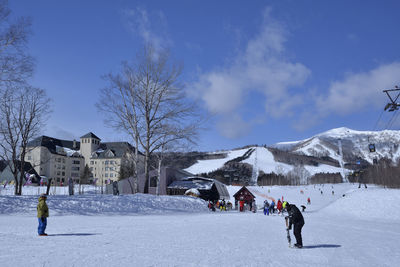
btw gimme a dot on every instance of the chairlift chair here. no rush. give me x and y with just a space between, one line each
371 148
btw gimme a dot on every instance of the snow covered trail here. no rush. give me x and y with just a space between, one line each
360 229
207 239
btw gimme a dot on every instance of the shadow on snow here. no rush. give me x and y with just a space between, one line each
74 234
323 246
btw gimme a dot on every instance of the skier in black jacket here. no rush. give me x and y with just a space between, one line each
295 218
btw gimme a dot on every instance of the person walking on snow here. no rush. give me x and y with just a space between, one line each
266 207
296 219
42 214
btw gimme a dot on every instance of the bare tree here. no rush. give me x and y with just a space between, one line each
22 113
148 102
15 64
118 100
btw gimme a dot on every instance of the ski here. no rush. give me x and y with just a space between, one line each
288 233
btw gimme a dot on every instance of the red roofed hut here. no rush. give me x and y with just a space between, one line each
245 196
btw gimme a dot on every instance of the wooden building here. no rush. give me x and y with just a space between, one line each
245 195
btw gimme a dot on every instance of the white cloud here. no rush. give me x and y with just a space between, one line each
139 22
359 91
262 68
233 126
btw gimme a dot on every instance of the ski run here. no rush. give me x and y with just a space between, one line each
346 227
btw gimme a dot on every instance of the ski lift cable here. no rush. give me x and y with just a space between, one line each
379 118
390 122
394 118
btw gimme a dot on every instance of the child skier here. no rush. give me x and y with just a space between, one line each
295 218
42 214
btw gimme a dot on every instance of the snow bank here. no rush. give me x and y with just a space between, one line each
91 204
374 204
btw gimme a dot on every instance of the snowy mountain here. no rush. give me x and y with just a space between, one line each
355 145
262 159
318 154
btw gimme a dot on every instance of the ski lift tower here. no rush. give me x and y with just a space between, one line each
341 162
393 95
254 174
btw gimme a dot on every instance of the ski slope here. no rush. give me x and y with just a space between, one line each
338 231
261 158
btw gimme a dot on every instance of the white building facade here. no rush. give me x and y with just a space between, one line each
64 159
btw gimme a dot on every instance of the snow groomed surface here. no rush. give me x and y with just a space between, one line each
357 229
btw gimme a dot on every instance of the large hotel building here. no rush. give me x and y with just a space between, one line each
64 159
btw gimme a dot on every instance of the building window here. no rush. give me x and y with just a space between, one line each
63 160
29 158
107 162
111 175
74 174
107 168
106 175
91 168
75 168
63 174
58 172
91 162
76 162
153 181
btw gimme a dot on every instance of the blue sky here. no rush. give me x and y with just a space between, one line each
266 71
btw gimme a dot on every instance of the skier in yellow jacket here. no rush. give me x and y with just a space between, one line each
42 214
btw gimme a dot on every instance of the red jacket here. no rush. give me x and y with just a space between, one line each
279 205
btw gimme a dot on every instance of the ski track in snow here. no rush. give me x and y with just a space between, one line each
358 229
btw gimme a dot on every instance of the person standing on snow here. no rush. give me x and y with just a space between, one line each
266 207
296 219
279 206
42 214
272 207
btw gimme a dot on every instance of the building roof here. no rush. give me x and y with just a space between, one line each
200 183
27 167
52 143
90 135
113 150
3 165
244 188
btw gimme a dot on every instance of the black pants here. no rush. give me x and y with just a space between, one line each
297 233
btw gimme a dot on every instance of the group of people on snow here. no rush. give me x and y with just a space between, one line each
270 208
222 205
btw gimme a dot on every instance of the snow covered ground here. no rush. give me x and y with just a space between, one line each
360 228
